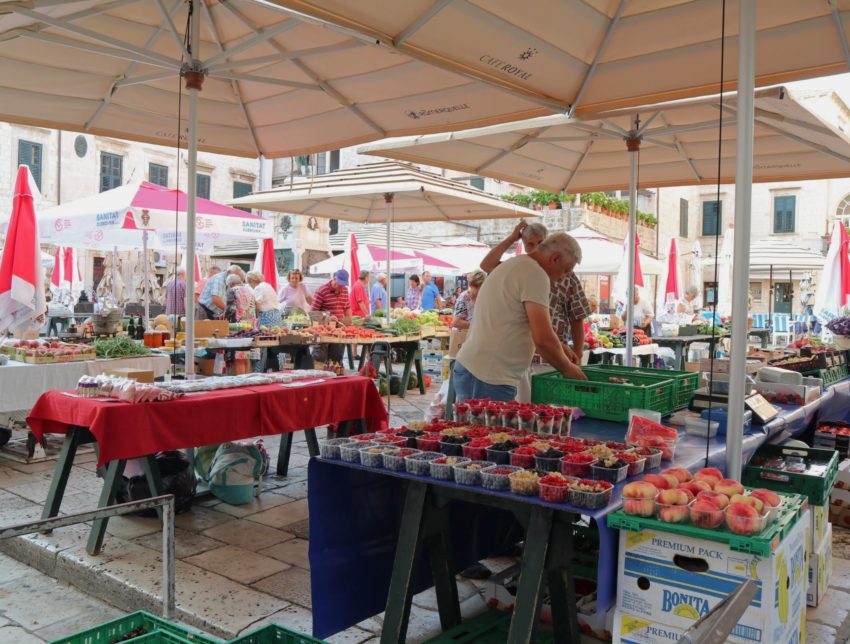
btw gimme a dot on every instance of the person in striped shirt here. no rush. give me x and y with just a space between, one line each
333 299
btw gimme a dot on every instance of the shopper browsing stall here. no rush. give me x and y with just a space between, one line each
268 308
643 314
414 293
332 298
294 295
213 299
241 304
379 293
359 296
465 305
431 298
511 318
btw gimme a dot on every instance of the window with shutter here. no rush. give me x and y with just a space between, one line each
334 162
784 214
683 217
202 185
321 163
111 171
712 218
29 154
242 189
477 182
158 174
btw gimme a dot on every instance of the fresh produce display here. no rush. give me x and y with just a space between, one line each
555 487
639 498
590 494
710 329
671 506
647 433
120 346
615 339
839 325
524 482
406 326
43 351
343 332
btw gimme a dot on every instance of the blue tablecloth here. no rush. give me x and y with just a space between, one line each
355 514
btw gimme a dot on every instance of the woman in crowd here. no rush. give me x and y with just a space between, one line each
268 307
241 305
414 293
295 294
465 305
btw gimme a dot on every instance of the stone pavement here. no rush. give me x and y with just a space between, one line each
238 567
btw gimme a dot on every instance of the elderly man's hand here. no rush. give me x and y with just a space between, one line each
574 372
522 225
571 355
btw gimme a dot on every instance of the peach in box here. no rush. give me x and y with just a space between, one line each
658 481
695 487
719 499
744 519
770 499
705 514
756 502
639 498
680 473
729 487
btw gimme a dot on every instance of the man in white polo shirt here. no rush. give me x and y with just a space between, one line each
511 319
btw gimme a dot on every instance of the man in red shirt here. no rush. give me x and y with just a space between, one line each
359 296
333 298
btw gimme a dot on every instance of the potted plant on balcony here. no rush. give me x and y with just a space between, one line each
518 198
566 199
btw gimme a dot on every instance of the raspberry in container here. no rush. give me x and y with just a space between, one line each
577 464
652 454
365 437
462 412
391 441
429 442
555 487
493 414
523 456
546 420
477 415
527 420
476 449
510 418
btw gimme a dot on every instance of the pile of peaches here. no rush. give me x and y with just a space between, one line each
705 499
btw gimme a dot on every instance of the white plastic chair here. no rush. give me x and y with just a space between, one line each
781 328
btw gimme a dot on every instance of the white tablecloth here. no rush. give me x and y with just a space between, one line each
21 384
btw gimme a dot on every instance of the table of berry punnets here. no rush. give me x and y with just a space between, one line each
368 526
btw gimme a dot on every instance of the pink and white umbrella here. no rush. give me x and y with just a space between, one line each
66 283
118 217
265 263
834 284
21 273
671 291
621 282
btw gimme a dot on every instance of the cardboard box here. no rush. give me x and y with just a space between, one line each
210 328
775 392
819 524
500 594
139 375
820 569
839 502
675 580
693 367
721 365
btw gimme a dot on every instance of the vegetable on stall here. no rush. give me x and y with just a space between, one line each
119 347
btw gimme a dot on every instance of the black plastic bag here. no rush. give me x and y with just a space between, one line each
178 478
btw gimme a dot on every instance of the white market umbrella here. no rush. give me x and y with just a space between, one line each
21 273
600 255
66 282
832 291
371 258
261 81
384 192
695 266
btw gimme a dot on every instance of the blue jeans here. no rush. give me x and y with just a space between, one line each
468 386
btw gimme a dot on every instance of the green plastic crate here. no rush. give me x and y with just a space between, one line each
685 383
816 488
599 398
762 544
158 637
488 628
277 634
829 375
110 631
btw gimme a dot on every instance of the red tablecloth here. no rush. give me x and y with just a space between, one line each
124 430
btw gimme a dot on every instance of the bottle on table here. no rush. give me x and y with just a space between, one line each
131 329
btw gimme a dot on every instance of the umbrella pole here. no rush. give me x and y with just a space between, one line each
388 199
743 207
146 278
770 298
194 83
633 145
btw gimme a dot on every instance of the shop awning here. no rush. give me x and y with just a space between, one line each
783 255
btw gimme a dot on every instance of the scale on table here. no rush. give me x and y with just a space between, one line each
763 411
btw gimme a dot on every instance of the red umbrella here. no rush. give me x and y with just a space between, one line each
672 287
844 260
355 262
21 274
638 271
266 263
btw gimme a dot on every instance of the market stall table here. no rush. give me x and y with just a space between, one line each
21 383
762 334
609 355
680 344
358 515
124 431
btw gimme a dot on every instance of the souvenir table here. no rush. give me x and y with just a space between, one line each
124 431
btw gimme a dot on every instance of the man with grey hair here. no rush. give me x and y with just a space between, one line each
175 293
213 299
689 304
379 293
511 319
